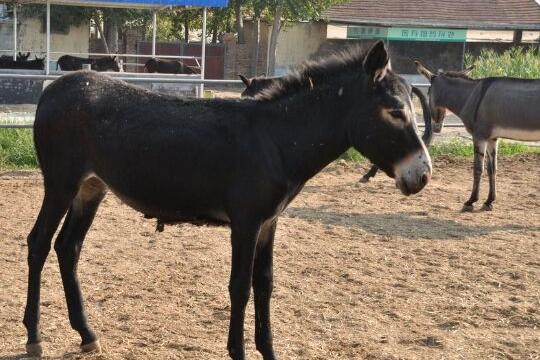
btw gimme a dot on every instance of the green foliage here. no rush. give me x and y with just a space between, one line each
293 10
62 17
353 155
171 23
17 149
460 149
515 62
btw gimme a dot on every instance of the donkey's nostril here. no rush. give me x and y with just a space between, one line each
425 179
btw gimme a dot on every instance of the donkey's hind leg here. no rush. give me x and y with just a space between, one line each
492 172
55 204
68 248
478 169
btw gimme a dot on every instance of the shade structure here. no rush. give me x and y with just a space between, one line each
156 3
132 4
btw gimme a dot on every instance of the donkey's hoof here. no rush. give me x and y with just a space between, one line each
94 346
487 207
467 208
34 350
364 179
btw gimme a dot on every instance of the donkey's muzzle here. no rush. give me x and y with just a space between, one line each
413 172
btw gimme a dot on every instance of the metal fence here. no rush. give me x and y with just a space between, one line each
25 119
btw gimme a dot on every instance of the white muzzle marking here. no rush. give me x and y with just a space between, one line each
413 172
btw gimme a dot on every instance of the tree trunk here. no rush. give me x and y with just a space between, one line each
112 37
276 27
255 51
239 21
215 29
97 21
186 29
228 25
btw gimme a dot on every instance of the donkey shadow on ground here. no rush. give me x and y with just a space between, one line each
408 225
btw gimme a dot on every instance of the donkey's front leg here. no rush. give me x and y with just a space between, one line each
492 171
244 235
479 154
262 289
371 173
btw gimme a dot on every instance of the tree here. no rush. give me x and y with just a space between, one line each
258 8
108 22
279 12
239 20
220 22
176 24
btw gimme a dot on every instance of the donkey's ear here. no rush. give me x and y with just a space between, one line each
377 62
245 80
422 70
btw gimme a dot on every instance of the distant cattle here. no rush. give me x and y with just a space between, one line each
168 66
20 57
22 62
72 63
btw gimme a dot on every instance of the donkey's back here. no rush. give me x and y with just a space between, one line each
508 108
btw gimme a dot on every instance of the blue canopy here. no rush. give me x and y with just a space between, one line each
136 3
199 3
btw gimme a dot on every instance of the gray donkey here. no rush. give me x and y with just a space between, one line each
490 108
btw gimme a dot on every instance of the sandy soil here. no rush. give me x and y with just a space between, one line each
361 273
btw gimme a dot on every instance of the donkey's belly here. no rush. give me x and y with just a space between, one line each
200 217
174 208
516 134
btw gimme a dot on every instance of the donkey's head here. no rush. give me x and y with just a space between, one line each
105 64
22 57
383 125
436 92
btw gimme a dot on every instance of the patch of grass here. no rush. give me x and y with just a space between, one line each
353 155
515 62
17 149
459 149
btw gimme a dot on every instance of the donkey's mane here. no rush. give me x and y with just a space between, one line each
313 72
457 74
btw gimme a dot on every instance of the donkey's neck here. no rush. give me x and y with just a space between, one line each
310 131
455 93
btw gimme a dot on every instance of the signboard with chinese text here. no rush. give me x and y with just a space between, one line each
406 34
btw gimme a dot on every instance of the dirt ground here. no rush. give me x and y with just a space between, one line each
362 272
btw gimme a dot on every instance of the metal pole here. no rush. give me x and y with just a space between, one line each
15 32
154 32
48 56
203 52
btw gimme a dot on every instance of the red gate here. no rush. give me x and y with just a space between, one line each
214 55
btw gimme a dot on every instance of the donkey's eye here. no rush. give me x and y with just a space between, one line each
398 114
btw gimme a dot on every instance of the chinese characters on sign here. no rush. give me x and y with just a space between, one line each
406 34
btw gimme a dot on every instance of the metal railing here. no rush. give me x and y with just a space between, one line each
26 119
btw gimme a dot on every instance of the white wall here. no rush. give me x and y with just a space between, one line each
297 42
32 39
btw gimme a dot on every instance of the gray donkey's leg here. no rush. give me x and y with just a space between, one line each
492 171
479 154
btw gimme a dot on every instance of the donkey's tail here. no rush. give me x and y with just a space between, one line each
428 131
